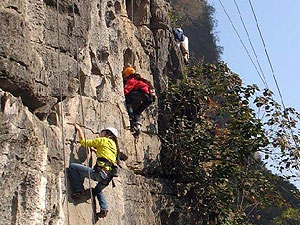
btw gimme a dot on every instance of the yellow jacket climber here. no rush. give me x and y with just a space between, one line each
106 150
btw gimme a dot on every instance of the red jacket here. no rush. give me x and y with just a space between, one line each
133 84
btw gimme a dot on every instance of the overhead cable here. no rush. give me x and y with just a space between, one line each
251 44
242 42
273 73
267 54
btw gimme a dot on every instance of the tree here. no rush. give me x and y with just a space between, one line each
290 216
210 139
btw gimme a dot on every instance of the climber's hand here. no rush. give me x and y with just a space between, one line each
77 127
93 150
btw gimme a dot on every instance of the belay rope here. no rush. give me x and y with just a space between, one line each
62 111
82 113
132 61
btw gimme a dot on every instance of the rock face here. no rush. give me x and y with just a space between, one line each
60 64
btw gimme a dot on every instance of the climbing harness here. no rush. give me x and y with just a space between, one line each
62 110
82 113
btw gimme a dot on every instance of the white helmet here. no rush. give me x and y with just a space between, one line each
113 130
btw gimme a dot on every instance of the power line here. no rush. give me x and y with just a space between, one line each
243 44
251 44
273 73
266 52
269 61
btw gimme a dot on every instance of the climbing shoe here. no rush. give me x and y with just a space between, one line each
137 119
102 213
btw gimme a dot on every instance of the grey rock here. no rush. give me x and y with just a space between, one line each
55 72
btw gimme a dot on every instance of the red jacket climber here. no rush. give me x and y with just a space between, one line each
138 96
134 84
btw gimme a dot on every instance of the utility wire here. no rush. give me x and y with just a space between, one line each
243 44
266 52
251 44
273 72
269 61
62 109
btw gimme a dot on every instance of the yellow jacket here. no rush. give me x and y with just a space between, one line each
106 148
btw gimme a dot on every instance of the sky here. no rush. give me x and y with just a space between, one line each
279 23
280 26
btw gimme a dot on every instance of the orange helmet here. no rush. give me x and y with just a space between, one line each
128 71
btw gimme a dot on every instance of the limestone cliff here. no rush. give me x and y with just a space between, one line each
47 55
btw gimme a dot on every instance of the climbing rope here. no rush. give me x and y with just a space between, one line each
62 110
82 112
132 61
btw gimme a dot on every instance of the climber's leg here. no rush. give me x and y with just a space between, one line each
77 173
76 178
146 102
100 195
98 192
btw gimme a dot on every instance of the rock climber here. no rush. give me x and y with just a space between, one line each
138 94
106 149
182 43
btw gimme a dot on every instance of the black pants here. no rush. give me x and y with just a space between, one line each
137 102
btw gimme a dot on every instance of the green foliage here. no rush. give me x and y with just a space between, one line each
236 219
282 133
211 136
290 216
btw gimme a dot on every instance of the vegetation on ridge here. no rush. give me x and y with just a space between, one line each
210 145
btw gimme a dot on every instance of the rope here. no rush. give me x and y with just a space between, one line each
243 44
82 112
272 69
132 61
62 110
251 44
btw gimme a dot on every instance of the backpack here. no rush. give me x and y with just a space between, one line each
178 34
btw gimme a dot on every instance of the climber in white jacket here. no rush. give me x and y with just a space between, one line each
182 43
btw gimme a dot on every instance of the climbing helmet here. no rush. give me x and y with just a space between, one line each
128 71
113 130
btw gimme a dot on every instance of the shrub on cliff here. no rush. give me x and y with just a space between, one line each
210 141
